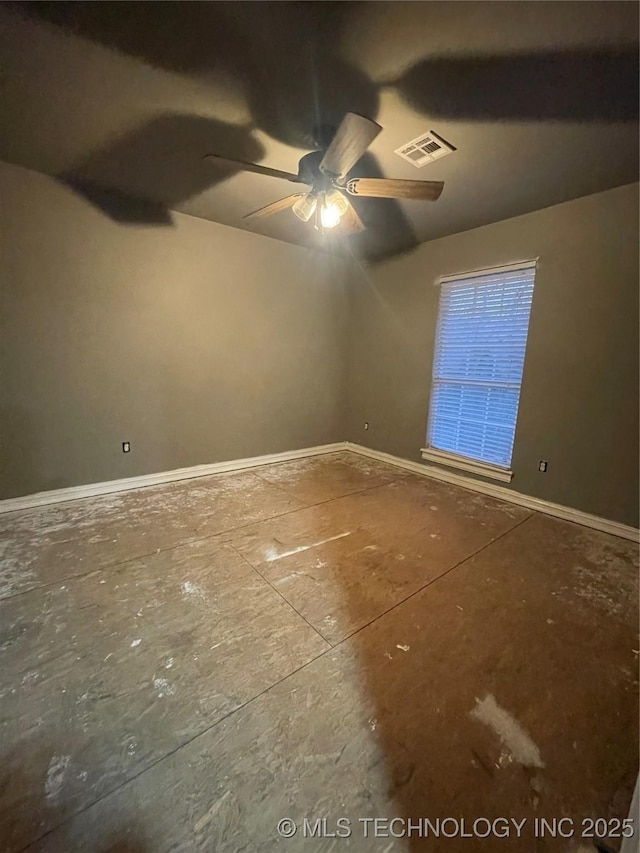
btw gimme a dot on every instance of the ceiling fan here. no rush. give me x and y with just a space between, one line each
326 172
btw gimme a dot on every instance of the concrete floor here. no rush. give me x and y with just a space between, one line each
183 666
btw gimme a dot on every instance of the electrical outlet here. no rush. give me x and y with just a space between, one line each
126 447
542 466
366 424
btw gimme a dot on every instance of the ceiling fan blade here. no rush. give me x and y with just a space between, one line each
392 188
253 167
351 222
352 139
275 206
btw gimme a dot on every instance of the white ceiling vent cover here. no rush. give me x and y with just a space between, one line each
424 149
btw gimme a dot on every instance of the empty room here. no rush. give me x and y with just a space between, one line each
319 455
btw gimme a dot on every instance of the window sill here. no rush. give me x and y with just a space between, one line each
493 472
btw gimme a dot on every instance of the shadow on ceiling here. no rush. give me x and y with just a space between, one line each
577 86
283 55
140 177
286 58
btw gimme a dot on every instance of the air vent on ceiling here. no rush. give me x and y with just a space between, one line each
424 149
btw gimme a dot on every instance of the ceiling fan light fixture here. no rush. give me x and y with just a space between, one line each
305 207
334 206
327 175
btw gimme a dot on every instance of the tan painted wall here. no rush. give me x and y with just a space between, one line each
579 402
200 343
196 342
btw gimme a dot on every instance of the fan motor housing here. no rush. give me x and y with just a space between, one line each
309 170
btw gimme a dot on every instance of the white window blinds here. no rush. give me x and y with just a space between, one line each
478 362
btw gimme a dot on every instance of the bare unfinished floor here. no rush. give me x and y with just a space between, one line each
183 666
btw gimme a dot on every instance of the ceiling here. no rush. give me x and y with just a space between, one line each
120 101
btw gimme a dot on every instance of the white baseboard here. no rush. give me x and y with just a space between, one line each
129 483
91 490
502 493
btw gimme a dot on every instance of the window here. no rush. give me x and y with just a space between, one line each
477 368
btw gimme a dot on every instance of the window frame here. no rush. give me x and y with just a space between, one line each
447 458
